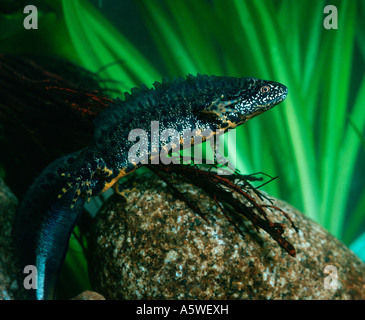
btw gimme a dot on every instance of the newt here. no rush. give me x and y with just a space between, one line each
54 202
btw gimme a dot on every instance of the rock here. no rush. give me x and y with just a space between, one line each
153 246
89 295
8 205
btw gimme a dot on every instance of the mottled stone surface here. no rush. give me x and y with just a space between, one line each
153 246
89 295
8 205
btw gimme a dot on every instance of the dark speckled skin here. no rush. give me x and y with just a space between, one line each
199 102
53 203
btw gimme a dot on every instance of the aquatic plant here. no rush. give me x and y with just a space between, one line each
313 141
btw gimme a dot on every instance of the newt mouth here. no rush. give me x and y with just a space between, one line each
282 96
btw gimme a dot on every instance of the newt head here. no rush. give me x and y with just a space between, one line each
245 99
260 96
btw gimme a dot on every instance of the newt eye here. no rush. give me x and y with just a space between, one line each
265 89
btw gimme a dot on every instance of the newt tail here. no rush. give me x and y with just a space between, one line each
43 227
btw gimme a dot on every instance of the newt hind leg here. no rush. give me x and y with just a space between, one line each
89 183
79 185
85 178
